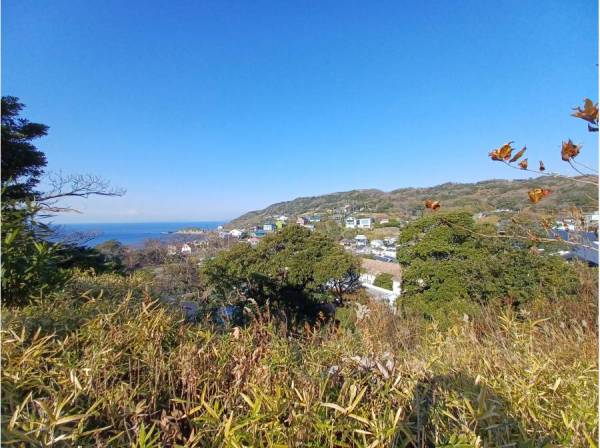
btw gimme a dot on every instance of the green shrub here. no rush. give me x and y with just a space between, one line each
450 264
135 374
385 281
30 265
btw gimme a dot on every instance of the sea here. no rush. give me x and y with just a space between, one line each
128 233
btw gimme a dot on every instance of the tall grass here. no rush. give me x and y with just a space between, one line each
130 372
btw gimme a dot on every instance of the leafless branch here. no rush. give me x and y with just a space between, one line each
551 174
78 185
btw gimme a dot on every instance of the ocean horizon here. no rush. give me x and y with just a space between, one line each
127 233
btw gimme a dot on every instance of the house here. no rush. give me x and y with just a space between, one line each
361 240
236 233
377 244
350 223
269 227
364 223
302 221
390 241
253 241
389 252
591 219
186 249
585 247
281 222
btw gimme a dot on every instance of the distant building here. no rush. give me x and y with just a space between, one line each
314 218
378 244
283 219
302 220
350 223
390 241
186 249
253 241
259 233
591 219
269 227
236 233
364 223
361 240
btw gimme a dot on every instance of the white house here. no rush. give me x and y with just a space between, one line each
253 241
350 222
364 223
282 218
389 253
186 249
377 244
269 227
236 233
591 218
361 240
390 241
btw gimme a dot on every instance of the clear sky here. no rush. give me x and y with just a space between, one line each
208 109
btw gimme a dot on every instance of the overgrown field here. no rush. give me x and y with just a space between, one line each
106 365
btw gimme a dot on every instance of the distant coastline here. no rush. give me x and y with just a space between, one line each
132 234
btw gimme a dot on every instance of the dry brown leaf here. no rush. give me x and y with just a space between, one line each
523 164
518 155
537 194
589 112
502 153
433 205
569 150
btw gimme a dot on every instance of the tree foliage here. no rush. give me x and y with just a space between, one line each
294 266
31 263
22 162
451 265
385 281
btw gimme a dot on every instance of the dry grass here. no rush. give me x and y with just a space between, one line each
133 374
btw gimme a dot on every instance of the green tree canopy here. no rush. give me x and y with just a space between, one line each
450 264
293 264
22 162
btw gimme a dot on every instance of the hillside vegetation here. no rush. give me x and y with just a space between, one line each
481 196
103 364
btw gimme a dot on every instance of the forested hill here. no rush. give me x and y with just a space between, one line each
481 196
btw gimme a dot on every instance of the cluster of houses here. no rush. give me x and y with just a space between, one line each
186 248
254 234
382 250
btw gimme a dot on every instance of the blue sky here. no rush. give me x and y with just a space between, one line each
207 109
